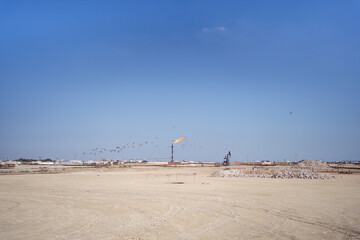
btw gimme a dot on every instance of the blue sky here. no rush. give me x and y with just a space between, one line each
223 74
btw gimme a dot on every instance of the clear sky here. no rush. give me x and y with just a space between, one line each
268 80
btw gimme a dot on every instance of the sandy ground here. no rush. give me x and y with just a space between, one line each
145 203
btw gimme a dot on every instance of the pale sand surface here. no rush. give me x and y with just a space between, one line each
142 204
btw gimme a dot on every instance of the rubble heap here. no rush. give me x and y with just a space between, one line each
289 173
299 173
238 173
311 164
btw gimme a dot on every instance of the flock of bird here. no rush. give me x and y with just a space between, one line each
117 149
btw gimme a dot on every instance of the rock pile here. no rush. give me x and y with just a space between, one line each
289 173
238 173
311 164
298 173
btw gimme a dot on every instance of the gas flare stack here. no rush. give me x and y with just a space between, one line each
172 147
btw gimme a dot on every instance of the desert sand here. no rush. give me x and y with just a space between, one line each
176 203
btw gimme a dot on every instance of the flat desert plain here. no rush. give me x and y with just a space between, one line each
176 203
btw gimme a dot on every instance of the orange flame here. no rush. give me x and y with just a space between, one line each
178 140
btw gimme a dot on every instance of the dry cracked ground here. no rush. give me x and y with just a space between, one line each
173 203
